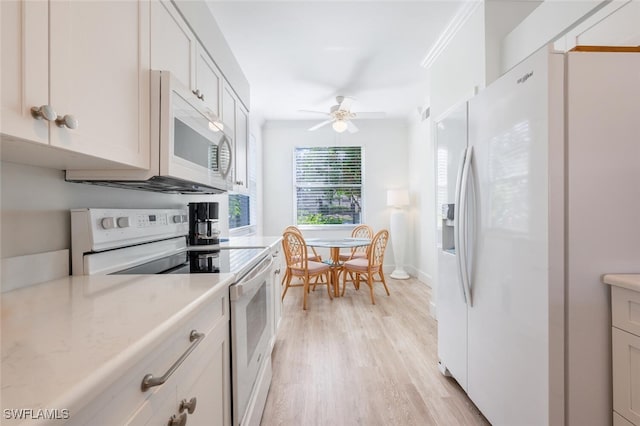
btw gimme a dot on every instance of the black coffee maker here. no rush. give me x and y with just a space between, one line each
203 224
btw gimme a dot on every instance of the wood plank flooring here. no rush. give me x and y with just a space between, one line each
348 362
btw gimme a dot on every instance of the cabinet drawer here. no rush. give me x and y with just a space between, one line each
625 307
124 396
626 375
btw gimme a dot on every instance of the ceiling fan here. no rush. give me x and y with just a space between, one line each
341 116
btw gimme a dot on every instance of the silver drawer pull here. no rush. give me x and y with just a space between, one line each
149 381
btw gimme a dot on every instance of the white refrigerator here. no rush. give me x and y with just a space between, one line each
546 189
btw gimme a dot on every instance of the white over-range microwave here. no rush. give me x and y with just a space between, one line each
189 151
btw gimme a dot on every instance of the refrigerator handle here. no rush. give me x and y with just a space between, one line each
464 197
456 223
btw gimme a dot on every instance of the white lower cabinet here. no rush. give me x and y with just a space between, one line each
278 270
197 389
626 355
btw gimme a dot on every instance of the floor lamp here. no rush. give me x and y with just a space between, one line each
398 199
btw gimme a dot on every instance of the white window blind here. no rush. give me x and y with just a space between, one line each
328 185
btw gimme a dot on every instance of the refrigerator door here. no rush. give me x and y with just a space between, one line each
451 138
508 352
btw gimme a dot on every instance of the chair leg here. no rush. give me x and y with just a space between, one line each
370 284
344 281
305 291
328 284
384 283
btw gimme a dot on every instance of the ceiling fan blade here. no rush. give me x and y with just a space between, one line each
345 105
317 126
315 112
351 127
370 115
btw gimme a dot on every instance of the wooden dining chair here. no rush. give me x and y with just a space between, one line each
314 256
366 269
299 266
360 231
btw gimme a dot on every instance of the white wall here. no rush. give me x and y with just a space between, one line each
35 206
422 188
386 163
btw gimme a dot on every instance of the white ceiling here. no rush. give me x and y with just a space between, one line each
301 54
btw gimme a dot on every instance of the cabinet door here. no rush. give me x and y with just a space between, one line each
208 80
626 374
25 68
242 148
228 110
208 380
173 45
278 271
99 75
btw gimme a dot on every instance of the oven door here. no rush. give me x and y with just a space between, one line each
193 146
250 332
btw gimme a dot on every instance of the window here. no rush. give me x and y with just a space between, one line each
242 208
239 211
328 185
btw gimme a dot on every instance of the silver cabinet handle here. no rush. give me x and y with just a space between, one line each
68 121
180 420
189 405
149 381
44 112
198 94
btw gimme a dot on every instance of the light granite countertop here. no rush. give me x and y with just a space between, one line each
629 281
61 339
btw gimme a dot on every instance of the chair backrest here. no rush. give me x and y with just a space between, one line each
295 249
376 250
362 231
292 228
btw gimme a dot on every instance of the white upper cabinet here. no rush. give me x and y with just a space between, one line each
241 149
173 45
175 48
83 65
229 111
25 69
208 81
99 77
236 124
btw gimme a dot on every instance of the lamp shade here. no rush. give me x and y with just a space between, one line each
397 197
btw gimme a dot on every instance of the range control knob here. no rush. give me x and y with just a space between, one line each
107 223
184 218
176 218
123 222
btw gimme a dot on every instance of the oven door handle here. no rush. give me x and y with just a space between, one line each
252 283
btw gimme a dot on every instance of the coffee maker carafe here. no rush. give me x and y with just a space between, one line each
203 224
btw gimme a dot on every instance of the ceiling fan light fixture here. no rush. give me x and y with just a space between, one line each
339 126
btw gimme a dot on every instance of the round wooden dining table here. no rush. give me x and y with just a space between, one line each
334 245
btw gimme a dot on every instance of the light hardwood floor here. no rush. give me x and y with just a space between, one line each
348 362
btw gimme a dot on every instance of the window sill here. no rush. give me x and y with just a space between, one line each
327 227
242 231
